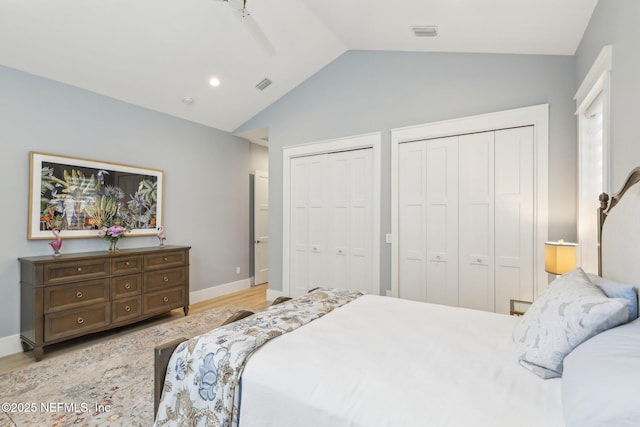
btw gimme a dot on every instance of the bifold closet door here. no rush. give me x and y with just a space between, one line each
476 221
308 223
466 219
428 229
350 221
331 221
514 216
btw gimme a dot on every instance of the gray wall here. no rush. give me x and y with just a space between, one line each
364 91
259 158
617 22
206 177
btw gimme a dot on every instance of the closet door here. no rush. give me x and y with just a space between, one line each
513 216
412 227
308 223
476 221
428 231
299 226
360 231
442 221
332 221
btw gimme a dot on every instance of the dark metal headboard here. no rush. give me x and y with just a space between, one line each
607 203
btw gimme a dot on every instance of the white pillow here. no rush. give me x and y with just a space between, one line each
601 380
570 311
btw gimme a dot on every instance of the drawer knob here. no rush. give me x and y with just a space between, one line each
80 320
165 259
165 278
79 295
127 263
127 285
165 299
127 309
79 269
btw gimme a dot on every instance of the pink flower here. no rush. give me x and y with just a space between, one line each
116 231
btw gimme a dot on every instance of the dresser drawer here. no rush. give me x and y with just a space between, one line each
165 279
158 302
75 271
126 265
125 309
164 259
76 322
126 286
64 297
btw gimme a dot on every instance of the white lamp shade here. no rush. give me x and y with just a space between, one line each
559 257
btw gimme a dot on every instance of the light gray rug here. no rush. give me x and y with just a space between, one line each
106 384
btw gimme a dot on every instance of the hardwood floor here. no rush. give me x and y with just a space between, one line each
254 298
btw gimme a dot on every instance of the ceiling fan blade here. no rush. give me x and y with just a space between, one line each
258 35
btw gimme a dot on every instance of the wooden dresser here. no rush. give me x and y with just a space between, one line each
77 294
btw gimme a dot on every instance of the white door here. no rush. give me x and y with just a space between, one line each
261 226
442 221
514 227
476 221
412 235
299 223
428 238
466 223
332 221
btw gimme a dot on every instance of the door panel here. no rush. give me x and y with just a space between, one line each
476 221
261 227
514 216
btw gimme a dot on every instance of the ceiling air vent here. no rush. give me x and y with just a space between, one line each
264 84
425 31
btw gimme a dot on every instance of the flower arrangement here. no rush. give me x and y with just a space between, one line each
112 234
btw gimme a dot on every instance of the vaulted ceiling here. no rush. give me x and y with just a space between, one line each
161 54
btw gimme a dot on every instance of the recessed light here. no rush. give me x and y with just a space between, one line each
215 82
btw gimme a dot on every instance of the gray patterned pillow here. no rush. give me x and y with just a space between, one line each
569 312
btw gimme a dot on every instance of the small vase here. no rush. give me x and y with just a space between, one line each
113 245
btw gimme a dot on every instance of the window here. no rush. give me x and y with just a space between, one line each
592 100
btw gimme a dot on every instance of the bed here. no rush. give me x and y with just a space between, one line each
363 360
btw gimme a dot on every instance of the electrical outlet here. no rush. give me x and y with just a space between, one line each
237 270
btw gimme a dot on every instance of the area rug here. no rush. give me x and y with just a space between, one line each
107 384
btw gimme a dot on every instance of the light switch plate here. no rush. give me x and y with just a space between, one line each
388 238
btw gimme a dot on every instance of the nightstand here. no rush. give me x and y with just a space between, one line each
518 307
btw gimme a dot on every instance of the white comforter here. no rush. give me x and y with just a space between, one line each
381 361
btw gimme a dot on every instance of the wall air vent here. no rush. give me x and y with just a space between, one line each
264 84
425 31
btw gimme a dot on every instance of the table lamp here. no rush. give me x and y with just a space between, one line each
559 257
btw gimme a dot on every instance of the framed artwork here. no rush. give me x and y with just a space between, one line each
80 196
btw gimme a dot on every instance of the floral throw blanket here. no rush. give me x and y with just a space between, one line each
202 383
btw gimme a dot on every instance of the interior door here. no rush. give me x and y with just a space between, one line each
261 227
332 221
476 221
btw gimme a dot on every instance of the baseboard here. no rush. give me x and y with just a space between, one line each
10 345
273 294
216 291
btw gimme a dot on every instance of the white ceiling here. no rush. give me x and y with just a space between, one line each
153 53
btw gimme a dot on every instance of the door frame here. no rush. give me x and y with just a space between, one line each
536 116
369 140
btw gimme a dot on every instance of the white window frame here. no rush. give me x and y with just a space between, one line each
596 83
